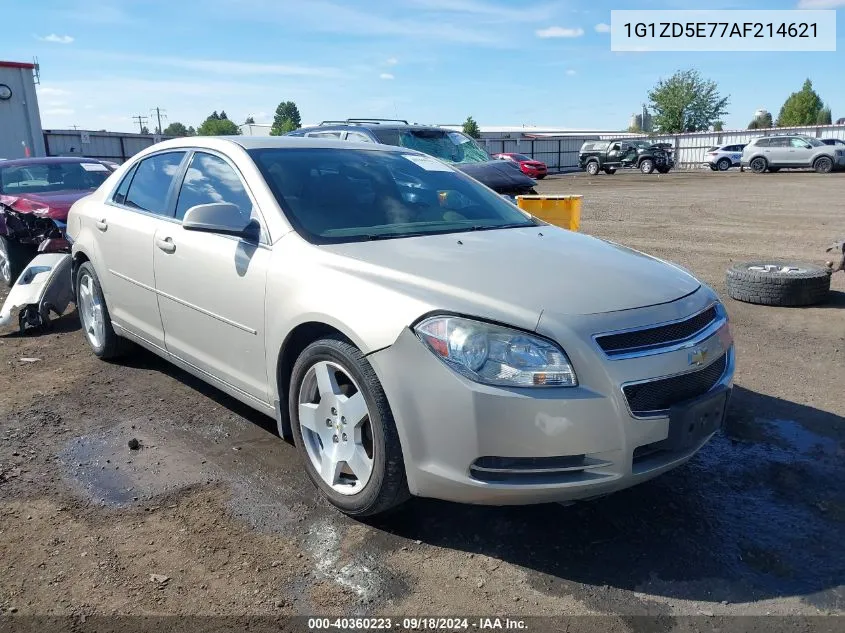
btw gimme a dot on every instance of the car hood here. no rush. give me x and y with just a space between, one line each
515 275
499 175
58 202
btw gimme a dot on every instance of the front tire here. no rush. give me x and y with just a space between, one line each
14 257
724 164
593 168
823 165
758 165
647 166
94 316
610 170
344 429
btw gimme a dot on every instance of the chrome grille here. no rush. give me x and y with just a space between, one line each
656 396
636 340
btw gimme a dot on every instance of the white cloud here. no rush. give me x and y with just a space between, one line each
56 39
385 76
559 31
602 27
46 91
571 72
820 4
391 61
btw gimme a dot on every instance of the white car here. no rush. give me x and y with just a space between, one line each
723 157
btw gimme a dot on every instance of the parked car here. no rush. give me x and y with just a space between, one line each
397 319
35 195
773 153
836 142
533 168
608 156
450 146
723 157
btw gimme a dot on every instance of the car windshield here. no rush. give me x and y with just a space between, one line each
333 196
47 177
453 147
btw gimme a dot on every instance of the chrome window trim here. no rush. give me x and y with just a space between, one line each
672 346
724 381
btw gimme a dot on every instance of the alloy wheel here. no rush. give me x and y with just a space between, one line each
91 312
336 431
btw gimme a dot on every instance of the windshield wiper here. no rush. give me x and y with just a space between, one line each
490 227
388 236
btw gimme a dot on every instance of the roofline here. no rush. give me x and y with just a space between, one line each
17 65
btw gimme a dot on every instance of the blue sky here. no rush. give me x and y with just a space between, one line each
432 61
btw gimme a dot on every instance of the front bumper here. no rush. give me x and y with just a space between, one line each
460 438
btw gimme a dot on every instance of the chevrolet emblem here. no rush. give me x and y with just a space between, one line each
698 356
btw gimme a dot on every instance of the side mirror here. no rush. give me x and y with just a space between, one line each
219 217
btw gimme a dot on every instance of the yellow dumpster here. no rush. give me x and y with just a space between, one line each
564 211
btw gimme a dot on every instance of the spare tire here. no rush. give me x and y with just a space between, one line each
778 283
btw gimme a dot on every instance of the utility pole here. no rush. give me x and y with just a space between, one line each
75 127
159 113
141 120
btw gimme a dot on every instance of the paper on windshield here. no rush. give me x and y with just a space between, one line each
94 167
427 162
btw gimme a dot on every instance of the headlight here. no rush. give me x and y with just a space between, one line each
496 355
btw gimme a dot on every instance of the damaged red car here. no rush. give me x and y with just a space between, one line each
35 197
533 168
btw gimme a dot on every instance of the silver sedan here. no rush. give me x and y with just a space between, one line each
413 332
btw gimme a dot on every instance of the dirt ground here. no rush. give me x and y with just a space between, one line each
214 515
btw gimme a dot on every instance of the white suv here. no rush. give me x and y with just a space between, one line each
771 153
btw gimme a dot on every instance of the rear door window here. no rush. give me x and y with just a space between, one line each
154 176
120 195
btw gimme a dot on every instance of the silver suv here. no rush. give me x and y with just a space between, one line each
771 153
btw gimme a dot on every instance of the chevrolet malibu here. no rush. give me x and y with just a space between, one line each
411 331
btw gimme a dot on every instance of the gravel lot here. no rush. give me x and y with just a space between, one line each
215 503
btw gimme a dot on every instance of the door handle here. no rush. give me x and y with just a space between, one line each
102 225
166 244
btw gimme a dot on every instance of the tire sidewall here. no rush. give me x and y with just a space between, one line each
724 164
317 352
647 166
593 168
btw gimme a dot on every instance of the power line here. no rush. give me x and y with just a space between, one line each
159 114
141 120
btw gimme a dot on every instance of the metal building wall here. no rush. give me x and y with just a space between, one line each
559 154
113 146
20 120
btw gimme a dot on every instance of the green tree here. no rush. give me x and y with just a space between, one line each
761 122
216 125
249 120
825 117
191 131
176 129
286 119
801 108
686 102
718 126
471 128
754 125
223 116
145 129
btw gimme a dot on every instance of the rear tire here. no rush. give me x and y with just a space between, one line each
774 170
647 166
823 165
663 170
593 167
758 165
386 485
14 257
778 283
724 164
610 170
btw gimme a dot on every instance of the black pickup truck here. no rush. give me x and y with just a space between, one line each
608 156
